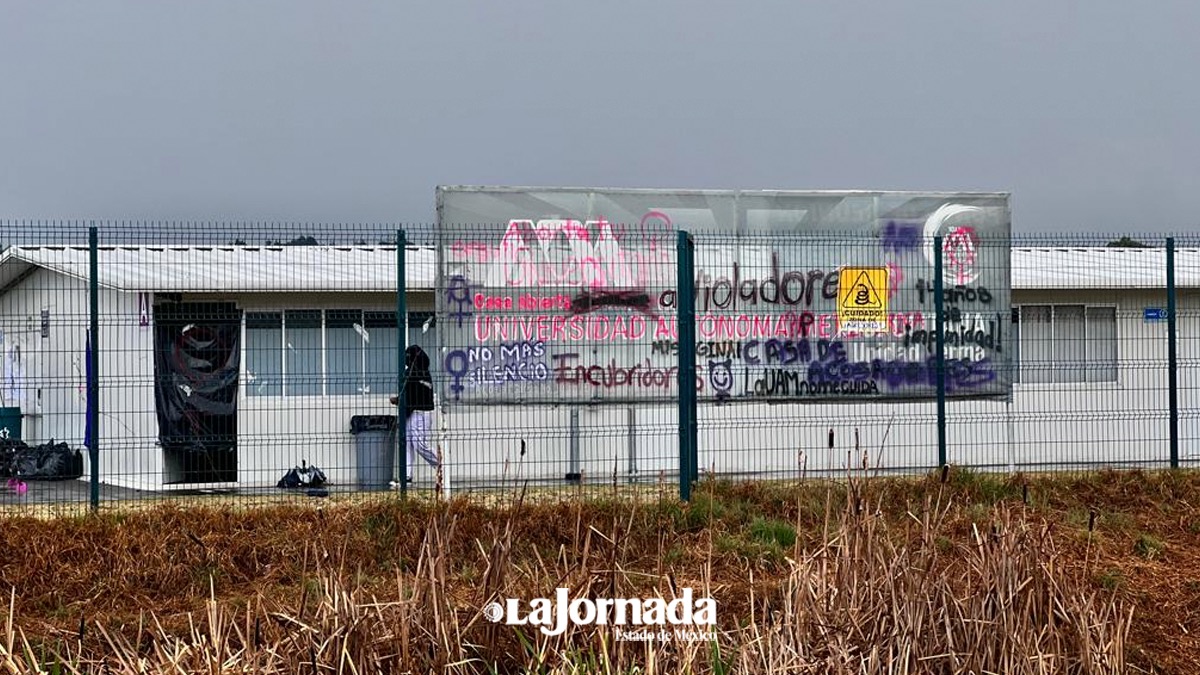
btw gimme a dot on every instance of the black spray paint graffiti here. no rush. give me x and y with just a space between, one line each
967 333
779 382
645 375
704 350
591 301
792 288
720 378
505 363
954 295
782 352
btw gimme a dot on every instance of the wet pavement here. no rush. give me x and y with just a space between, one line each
58 491
40 494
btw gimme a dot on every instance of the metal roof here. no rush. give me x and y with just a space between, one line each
250 269
1052 267
229 269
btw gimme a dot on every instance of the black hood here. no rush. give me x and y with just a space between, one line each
416 360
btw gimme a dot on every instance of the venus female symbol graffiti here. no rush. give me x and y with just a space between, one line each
959 244
459 293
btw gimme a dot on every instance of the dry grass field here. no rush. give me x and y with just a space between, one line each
952 573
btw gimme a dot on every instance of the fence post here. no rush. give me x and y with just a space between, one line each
1172 354
401 371
940 328
93 370
685 312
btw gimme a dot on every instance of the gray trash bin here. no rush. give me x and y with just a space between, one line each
374 450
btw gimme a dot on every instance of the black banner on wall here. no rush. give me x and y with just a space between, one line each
196 363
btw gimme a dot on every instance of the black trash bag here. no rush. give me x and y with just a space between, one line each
302 476
69 463
10 450
49 461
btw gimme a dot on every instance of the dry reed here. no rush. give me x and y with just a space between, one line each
865 594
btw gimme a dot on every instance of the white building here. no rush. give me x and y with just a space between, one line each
318 293
1092 362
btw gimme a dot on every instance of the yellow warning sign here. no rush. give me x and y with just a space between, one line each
863 299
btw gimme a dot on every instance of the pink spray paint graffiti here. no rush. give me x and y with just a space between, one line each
959 246
562 252
958 254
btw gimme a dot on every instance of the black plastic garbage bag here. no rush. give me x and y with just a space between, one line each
302 476
10 450
48 461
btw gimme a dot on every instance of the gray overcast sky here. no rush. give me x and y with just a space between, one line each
1087 110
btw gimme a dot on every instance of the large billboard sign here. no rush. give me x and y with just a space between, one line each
552 295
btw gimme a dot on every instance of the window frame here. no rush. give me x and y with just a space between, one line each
244 387
366 352
244 368
326 350
284 353
1021 350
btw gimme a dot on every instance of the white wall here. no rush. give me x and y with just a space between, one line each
1188 376
52 397
1119 422
56 372
130 455
744 439
1103 422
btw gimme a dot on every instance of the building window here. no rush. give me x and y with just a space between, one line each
264 358
336 352
344 352
1064 344
422 331
382 352
302 347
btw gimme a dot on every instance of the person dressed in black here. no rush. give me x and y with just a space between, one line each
418 406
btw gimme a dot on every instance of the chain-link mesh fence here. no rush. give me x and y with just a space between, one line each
259 361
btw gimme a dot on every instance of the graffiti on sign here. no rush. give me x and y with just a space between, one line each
960 242
558 296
